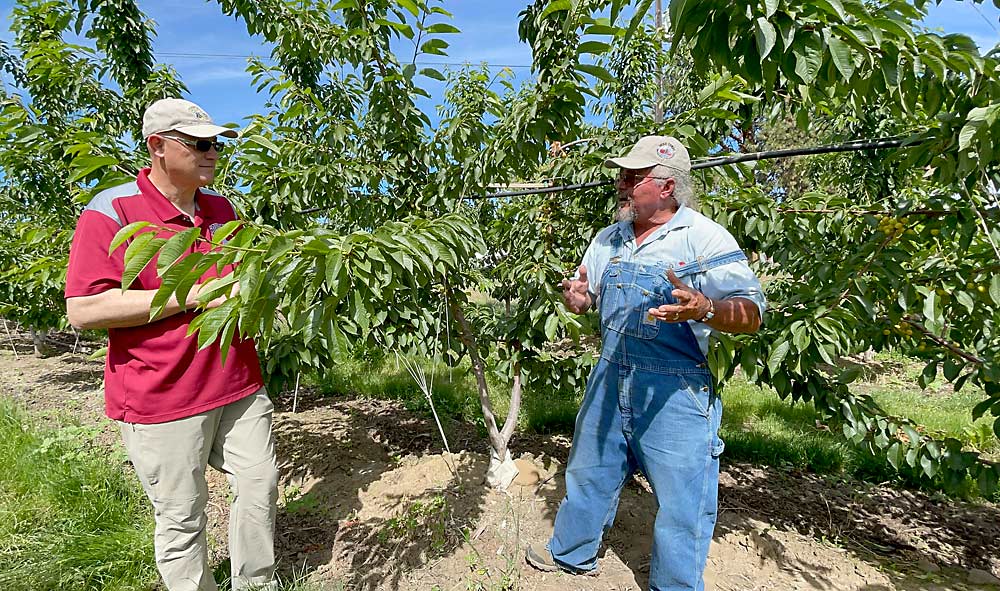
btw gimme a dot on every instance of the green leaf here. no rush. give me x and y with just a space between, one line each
778 354
969 131
642 9
170 281
222 234
808 57
930 466
995 289
83 166
765 35
930 306
988 479
263 142
597 72
966 300
432 73
442 28
556 6
980 409
770 7
226 339
212 321
125 233
138 255
832 8
434 46
841 55
551 326
175 247
410 6
849 375
895 455
216 287
595 47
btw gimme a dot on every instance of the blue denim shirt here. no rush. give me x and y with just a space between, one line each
687 237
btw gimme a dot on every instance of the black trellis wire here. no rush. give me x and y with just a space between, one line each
719 161
852 146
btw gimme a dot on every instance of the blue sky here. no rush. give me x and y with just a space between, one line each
208 49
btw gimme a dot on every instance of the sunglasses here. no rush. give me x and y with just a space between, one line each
200 145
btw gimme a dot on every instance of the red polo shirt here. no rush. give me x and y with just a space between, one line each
155 372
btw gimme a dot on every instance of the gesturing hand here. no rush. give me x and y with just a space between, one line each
691 304
575 293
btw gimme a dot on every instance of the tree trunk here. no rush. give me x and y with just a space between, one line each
42 348
502 470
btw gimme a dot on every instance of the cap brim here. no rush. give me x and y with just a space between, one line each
629 163
206 131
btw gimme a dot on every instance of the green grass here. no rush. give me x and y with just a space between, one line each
759 427
69 518
949 413
453 390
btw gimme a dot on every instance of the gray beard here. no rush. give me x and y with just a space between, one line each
625 214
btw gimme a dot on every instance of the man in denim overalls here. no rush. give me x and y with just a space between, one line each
663 278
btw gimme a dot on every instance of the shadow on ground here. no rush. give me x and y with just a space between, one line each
347 515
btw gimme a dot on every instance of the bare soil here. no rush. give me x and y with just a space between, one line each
369 501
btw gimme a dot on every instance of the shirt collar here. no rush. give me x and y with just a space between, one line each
161 206
683 218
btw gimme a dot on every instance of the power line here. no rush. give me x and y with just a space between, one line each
988 21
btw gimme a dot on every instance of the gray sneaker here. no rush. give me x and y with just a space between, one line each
538 556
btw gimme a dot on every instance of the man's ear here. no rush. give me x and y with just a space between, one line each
667 190
154 145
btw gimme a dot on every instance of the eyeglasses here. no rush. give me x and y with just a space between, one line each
200 145
631 178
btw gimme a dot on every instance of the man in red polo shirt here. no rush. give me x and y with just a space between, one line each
179 409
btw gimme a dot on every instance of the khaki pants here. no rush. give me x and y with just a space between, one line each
170 459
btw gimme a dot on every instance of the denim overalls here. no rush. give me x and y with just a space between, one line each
650 405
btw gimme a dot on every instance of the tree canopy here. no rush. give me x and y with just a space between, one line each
358 229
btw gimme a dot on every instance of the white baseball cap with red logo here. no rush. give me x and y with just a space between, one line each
654 150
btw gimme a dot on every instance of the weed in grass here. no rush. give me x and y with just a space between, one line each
69 518
428 519
302 505
508 576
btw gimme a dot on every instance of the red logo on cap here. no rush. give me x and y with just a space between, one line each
665 151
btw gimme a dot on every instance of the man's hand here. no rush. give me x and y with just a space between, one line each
691 304
576 294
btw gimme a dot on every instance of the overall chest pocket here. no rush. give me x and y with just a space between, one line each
627 294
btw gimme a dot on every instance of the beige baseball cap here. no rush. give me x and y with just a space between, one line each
180 115
654 150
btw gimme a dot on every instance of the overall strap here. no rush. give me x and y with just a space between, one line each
703 264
